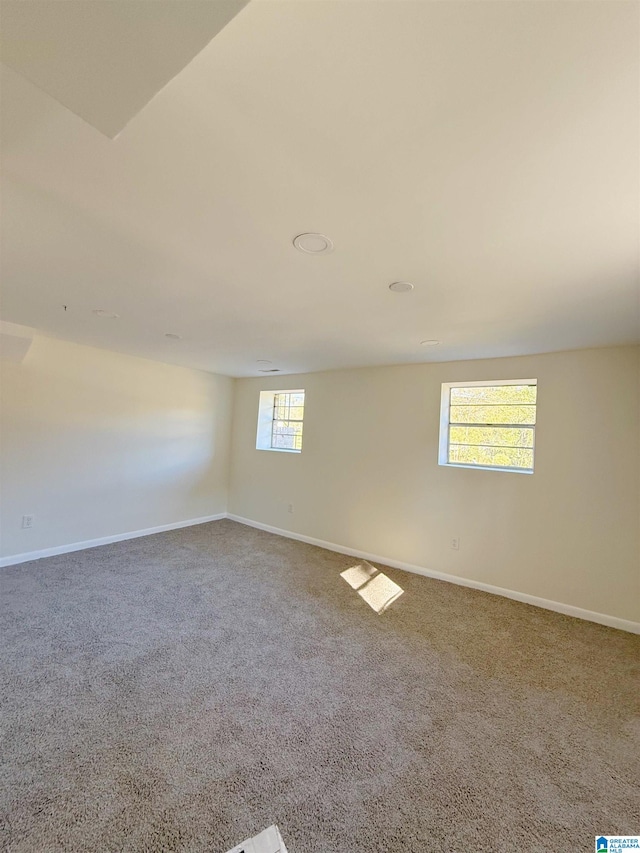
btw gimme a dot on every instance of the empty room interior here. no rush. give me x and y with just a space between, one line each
320 426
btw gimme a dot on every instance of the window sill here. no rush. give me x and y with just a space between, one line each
279 449
486 468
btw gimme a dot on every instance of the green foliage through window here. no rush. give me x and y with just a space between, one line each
492 426
288 413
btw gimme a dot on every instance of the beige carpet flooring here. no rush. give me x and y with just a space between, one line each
183 691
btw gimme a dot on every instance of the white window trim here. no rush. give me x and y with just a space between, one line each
443 444
265 420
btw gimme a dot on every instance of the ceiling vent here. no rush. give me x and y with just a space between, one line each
313 244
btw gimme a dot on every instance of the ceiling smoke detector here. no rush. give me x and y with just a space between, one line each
270 370
107 315
313 244
401 286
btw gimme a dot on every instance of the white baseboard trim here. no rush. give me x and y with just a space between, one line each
546 604
104 540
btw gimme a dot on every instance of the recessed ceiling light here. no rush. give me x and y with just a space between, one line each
429 343
108 315
262 361
401 286
313 244
270 370
173 336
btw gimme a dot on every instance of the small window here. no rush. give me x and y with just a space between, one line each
489 425
280 417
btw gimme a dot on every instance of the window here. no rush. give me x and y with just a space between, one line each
489 425
280 416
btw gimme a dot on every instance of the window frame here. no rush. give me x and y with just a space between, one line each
445 424
266 407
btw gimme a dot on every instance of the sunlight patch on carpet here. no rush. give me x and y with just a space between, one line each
269 841
372 585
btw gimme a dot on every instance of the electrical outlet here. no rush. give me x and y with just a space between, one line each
290 508
455 543
27 522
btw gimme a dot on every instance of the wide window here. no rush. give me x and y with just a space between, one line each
280 420
489 425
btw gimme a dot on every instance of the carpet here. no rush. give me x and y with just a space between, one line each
182 691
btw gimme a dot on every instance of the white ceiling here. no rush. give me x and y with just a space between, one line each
106 59
486 151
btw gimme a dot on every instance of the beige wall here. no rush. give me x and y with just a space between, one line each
97 444
368 477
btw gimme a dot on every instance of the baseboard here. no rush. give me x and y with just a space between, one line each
546 604
104 540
